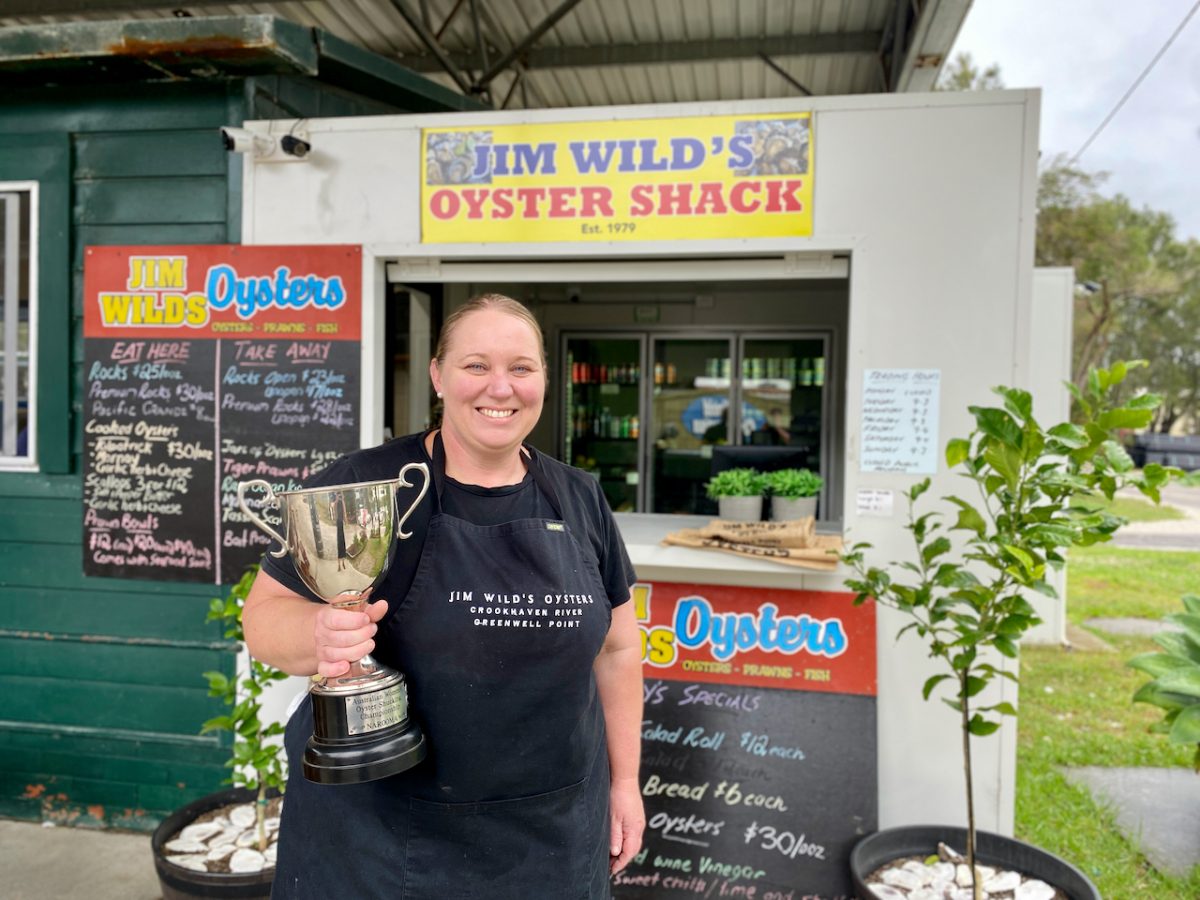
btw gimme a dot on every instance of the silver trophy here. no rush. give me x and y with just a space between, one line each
340 539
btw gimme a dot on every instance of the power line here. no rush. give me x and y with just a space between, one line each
1133 87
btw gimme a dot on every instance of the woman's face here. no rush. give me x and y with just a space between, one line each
492 381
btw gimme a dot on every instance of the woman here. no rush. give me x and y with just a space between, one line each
530 789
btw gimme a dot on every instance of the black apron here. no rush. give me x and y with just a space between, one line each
497 638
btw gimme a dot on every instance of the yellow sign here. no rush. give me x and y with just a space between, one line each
638 180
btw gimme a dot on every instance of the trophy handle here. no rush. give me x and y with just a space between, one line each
256 519
403 478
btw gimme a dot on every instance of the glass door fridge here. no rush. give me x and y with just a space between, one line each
653 416
602 414
690 404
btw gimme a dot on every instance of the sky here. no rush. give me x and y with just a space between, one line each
1084 55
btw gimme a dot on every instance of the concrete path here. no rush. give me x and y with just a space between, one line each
1158 810
40 863
1176 534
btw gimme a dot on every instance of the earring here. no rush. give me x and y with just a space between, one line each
439 395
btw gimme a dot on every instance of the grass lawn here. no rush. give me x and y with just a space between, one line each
1112 581
1076 711
1136 509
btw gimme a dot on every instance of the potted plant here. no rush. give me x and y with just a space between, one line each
793 493
1175 687
964 592
739 494
222 845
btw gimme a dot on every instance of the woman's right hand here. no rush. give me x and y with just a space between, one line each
344 636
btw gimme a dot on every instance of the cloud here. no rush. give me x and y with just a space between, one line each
1085 54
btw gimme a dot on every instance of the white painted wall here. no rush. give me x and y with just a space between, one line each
932 196
1050 367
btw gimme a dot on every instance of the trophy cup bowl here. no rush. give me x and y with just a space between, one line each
342 540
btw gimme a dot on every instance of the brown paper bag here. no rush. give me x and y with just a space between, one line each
820 554
792 533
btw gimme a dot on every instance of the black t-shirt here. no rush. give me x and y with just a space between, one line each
584 509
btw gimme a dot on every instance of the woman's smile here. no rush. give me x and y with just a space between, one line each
493 384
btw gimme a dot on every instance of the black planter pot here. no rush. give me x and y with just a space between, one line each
882 847
179 883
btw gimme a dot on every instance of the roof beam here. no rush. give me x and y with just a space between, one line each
526 43
427 38
670 51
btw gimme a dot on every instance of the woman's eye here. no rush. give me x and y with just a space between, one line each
476 367
522 370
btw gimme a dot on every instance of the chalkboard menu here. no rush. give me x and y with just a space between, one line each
204 367
759 764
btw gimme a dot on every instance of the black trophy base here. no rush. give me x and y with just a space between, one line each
378 755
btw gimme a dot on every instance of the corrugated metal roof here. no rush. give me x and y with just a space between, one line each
601 52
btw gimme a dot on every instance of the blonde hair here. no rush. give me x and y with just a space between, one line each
498 302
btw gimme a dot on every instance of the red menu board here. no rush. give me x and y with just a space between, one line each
759 767
205 366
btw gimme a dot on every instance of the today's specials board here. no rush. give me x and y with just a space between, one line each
205 366
759 768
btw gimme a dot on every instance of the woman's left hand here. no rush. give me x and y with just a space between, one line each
628 822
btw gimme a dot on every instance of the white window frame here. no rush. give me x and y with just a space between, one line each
10 210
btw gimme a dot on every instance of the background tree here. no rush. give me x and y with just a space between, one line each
963 75
1127 263
1138 288
1166 332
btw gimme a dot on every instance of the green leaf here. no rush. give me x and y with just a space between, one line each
918 489
1069 435
975 684
1017 401
1186 729
1189 622
1144 401
1151 693
1178 645
1184 681
1006 461
931 683
1155 664
1004 708
981 727
1124 418
957 451
217 723
1005 646
998 424
1117 457
1020 556
934 549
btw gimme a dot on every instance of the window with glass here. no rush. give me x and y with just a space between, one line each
17 325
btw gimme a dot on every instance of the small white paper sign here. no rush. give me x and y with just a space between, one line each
900 420
874 502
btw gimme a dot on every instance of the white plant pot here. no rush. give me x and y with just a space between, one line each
789 508
740 509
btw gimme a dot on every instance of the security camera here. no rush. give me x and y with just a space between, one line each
293 146
239 140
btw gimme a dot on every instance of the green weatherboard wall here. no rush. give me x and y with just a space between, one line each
101 678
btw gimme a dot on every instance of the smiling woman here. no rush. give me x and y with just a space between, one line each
541 672
490 371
